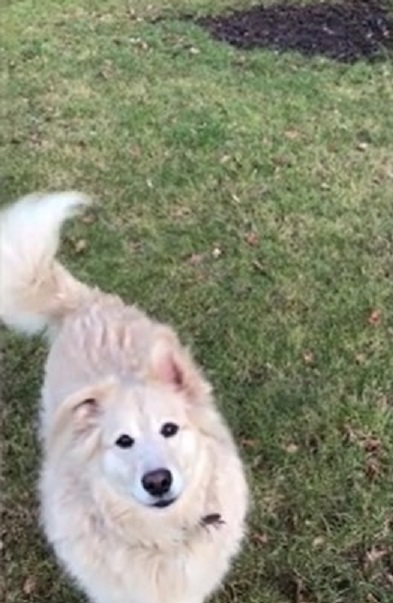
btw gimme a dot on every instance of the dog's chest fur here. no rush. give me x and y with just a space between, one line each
186 565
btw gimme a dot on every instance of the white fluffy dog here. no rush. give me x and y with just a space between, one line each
143 494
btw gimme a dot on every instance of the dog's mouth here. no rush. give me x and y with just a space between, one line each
161 504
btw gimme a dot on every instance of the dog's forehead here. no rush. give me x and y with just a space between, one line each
144 407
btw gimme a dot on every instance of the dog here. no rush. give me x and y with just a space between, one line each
143 494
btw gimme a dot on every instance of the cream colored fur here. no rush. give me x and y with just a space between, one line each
110 371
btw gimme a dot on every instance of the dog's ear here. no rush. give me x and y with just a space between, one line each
173 365
87 412
82 409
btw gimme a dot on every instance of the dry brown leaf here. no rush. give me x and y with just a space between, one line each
350 434
259 267
375 554
372 445
135 151
292 134
180 211
248 442
373 468
372 557
36 139
80 246
389 578
29 585
291 448
252 238
88 219
281 161
139 43
106 70
195 259
260 538
374 318
360 358
308 357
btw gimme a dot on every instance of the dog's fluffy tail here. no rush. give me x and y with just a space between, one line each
35 290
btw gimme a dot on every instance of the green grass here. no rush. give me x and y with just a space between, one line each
286 166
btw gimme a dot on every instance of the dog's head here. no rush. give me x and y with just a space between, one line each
144 436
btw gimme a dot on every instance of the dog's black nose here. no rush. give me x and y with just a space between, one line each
157 482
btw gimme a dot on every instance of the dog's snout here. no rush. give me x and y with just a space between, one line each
157 482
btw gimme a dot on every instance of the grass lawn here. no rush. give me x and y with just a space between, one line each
245 197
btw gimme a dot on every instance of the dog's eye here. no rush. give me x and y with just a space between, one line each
169 429
124 441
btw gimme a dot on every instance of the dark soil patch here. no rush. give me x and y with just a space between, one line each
345 32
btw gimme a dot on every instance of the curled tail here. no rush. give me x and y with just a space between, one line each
35 290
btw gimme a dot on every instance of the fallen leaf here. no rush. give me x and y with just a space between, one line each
248 443
139 43
260 538
350 434
262 191
373 468
135 150
372 445
372 557
389 578
106 70
360 358
259 267
375 554
292 134
88 219
180 211
308 357
195 259
239 61
374 318
135 246
281 161
29 585
252 238
80 246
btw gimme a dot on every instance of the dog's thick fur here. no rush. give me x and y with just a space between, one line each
111 371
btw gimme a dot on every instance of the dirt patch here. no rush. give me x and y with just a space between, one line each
345 32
